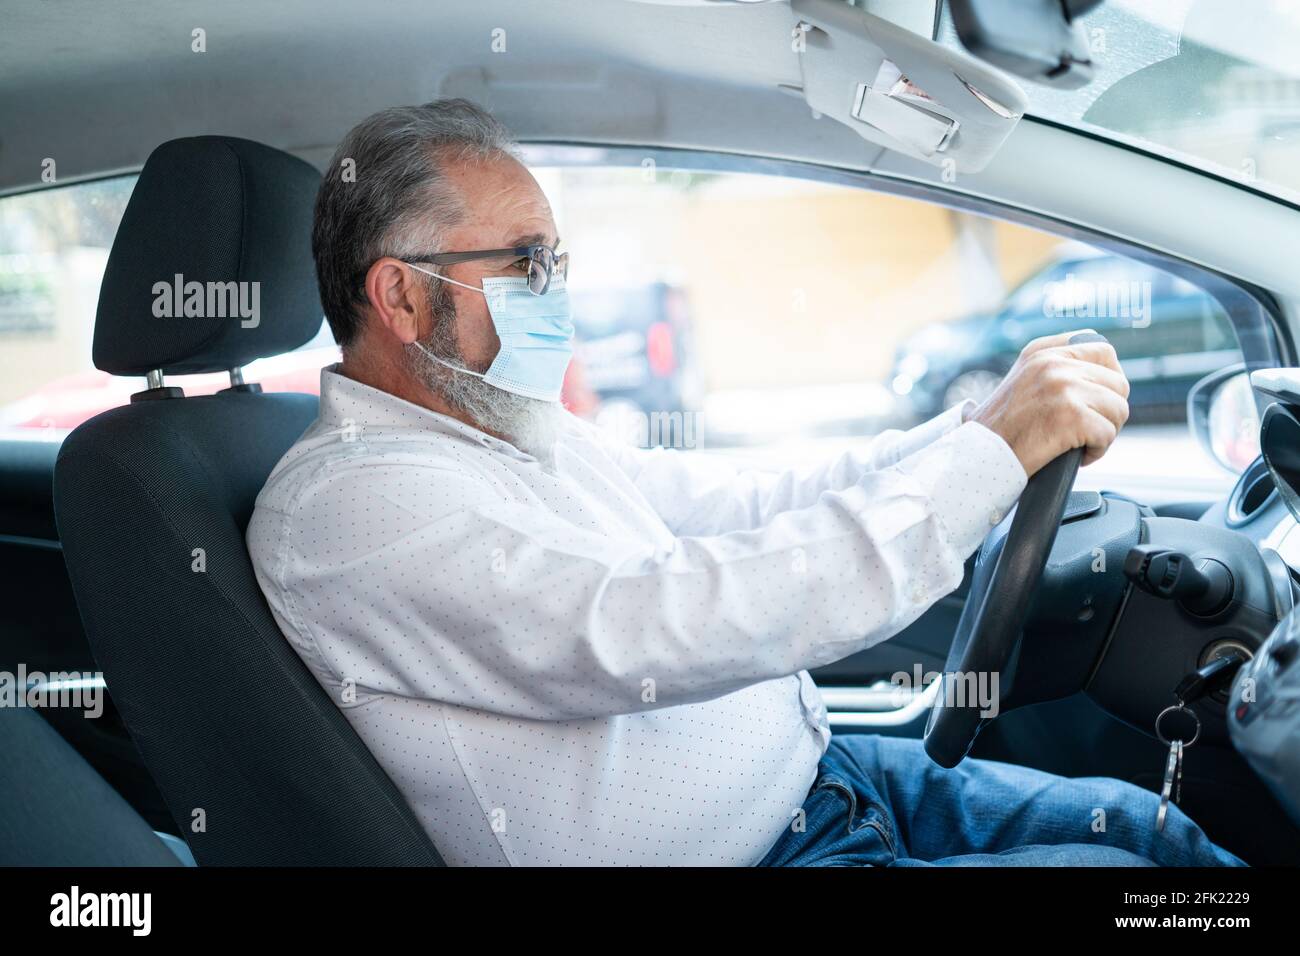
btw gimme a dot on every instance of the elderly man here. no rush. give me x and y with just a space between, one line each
568 652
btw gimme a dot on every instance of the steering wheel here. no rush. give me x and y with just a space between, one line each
989 630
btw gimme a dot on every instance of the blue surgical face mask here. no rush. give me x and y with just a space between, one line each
536 333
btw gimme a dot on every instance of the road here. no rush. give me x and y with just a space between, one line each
1151 463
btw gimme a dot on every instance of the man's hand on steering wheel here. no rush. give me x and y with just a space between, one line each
1057 397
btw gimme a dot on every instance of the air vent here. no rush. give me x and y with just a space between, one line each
1253 492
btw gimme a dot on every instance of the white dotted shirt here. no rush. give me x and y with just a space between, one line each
602 661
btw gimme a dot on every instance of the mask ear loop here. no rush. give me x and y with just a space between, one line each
441 361
439 275
450 365
494 298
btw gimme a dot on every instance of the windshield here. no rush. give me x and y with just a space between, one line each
1211 83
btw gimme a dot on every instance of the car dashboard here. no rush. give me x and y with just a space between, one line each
1263 706
1264 504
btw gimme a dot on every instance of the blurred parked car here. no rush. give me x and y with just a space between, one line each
1167 332
634 349
631 356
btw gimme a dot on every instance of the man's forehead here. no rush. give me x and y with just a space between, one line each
503 204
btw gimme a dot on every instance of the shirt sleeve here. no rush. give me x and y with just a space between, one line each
697 493
455 593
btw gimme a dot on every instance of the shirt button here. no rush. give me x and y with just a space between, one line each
920 595
995 516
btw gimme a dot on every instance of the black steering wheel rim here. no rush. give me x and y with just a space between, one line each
989 630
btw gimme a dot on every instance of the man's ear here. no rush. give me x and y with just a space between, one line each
396 297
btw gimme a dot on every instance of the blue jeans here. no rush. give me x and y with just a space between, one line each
880 801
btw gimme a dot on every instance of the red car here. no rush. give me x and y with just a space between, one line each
66 402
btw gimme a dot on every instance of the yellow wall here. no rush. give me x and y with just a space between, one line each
790 282
795 283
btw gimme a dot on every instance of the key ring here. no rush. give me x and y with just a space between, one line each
1177 707
1173 776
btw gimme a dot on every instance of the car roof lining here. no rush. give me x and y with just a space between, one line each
708 79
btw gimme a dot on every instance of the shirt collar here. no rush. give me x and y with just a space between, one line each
345 401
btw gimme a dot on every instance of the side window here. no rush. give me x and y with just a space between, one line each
768 317
54 245
784 317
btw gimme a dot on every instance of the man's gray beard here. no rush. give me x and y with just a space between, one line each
530 424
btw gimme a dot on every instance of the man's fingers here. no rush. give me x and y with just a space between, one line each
1051 341
1101 418
1100 432
1107 403
1098 353
1104 375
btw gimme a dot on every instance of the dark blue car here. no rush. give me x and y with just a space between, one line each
1168 334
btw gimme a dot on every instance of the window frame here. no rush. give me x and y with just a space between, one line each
1238 297
1241 300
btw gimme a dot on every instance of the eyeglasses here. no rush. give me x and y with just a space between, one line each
543 263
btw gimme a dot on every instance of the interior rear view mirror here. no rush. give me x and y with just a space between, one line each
1223 417
1040 40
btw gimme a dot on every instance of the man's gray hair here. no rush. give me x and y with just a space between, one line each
385 193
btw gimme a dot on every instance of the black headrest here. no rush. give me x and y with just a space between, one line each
211 267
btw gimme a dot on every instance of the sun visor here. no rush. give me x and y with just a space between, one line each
900 90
